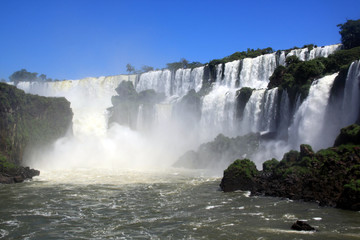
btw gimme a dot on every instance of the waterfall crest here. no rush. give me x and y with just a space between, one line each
162 135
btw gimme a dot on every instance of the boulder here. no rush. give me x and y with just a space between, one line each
348 135
302 226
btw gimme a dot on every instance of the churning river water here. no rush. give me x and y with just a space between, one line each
162 204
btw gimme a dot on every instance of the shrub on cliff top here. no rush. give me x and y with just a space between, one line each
348 135
242 167
350 33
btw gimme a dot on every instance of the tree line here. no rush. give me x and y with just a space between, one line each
350 38
24 76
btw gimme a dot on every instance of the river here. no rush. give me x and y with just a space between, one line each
156 204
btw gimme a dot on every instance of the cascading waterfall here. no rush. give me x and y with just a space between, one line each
252 113
284 115
231 74
351 99
94 144
160 81
217 114
305 55
343 108
89 97
182 82
163 81
196 78
255 72
266 111
309 118
282 58
269 111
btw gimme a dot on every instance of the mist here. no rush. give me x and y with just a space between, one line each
184 120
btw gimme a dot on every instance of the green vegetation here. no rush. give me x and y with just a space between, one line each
5 165
250 53
330 176
350 33
130 68
242 167
183 63
354 185
270 165
24 76
146 68
349 135
297 76
28 120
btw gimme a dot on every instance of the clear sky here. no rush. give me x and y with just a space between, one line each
73 39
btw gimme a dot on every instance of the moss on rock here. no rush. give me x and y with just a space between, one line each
330 176
240 175
28 122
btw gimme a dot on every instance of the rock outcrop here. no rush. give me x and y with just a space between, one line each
302 226
330 176
220 152
27 122
126 105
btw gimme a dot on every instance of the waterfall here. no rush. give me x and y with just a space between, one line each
255 72
182 82
282 58
219 73
163 81
160 81
218 112
161 136
89 97
252 113
324 51
187 79
284 116
196 78
231 74
305 55
309 118
269 110
351 99
300 53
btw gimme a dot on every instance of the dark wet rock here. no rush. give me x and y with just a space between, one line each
330 176
28 123
18 175
240 175
220 152
348 135
302 226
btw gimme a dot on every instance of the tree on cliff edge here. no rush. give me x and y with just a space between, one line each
350 33
130 68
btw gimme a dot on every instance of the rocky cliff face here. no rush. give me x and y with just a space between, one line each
28 121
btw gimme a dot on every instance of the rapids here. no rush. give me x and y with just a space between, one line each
146 204
111 182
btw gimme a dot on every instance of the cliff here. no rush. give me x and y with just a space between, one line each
330 176
28 121
220 152
126 105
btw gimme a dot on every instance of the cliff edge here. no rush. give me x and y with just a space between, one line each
28 121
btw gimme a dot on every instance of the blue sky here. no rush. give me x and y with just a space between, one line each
76 39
